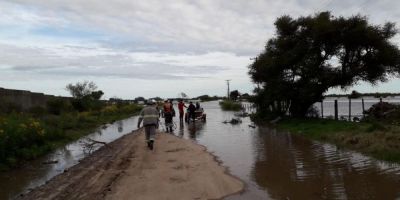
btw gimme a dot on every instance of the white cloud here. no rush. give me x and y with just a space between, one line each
156 43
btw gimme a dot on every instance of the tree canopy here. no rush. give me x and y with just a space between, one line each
309 55
84 89
234 94
86 97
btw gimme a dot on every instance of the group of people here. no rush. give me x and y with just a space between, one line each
150 116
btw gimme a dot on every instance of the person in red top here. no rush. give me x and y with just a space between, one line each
181 105
169 112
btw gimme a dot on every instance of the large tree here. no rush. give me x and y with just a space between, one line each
85 96
84 89
309 55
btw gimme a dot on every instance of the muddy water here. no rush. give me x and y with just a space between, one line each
284 166
36 173
273 165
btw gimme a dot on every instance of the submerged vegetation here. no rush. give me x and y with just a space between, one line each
378 134
230 105
376 139
30 134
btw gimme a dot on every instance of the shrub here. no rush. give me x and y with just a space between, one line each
110 109
37 111
230 105
312 112
56 106
9 107
383 111
87 104
18 134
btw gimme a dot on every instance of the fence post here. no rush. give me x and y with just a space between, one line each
349 109
363 108
322 109
336 110
380 100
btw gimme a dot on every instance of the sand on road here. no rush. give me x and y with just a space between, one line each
126 169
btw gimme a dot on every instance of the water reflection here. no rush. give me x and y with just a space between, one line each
37 173
291 167
181 129
283 166
194 129
273 165
120 125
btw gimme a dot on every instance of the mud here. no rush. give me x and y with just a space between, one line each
126 169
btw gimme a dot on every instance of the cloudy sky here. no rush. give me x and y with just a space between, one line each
150 48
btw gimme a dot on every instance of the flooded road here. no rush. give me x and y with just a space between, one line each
272 165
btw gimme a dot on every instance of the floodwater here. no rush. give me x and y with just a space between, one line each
356 105
273 165
284 166
37 173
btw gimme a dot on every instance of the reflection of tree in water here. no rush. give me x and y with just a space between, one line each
120 125
99 131
292 167
181 129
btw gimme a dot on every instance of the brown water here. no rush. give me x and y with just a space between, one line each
273 165
284 166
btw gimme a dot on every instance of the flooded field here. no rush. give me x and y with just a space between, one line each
273 165
356 105
284 166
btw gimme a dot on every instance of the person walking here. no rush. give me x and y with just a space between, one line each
192 112
181 105
150 117
169 113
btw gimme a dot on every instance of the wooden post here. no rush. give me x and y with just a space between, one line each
336 110
322 109
349 109
380 100
363 108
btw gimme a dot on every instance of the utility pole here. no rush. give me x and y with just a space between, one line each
227 82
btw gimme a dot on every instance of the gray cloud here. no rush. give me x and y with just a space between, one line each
159 40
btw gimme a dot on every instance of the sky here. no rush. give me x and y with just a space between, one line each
149 48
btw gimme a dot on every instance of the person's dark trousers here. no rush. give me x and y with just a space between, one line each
150 131
192 116
181 114
168 121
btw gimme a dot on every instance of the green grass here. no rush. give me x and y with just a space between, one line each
375 139
230 105
25 136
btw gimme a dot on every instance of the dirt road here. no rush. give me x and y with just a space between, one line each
126 169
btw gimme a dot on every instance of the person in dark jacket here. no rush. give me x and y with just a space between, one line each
192 112
150 117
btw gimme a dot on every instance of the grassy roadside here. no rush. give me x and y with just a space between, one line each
374 139
230 105
25 136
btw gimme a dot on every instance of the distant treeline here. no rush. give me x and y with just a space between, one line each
234 95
